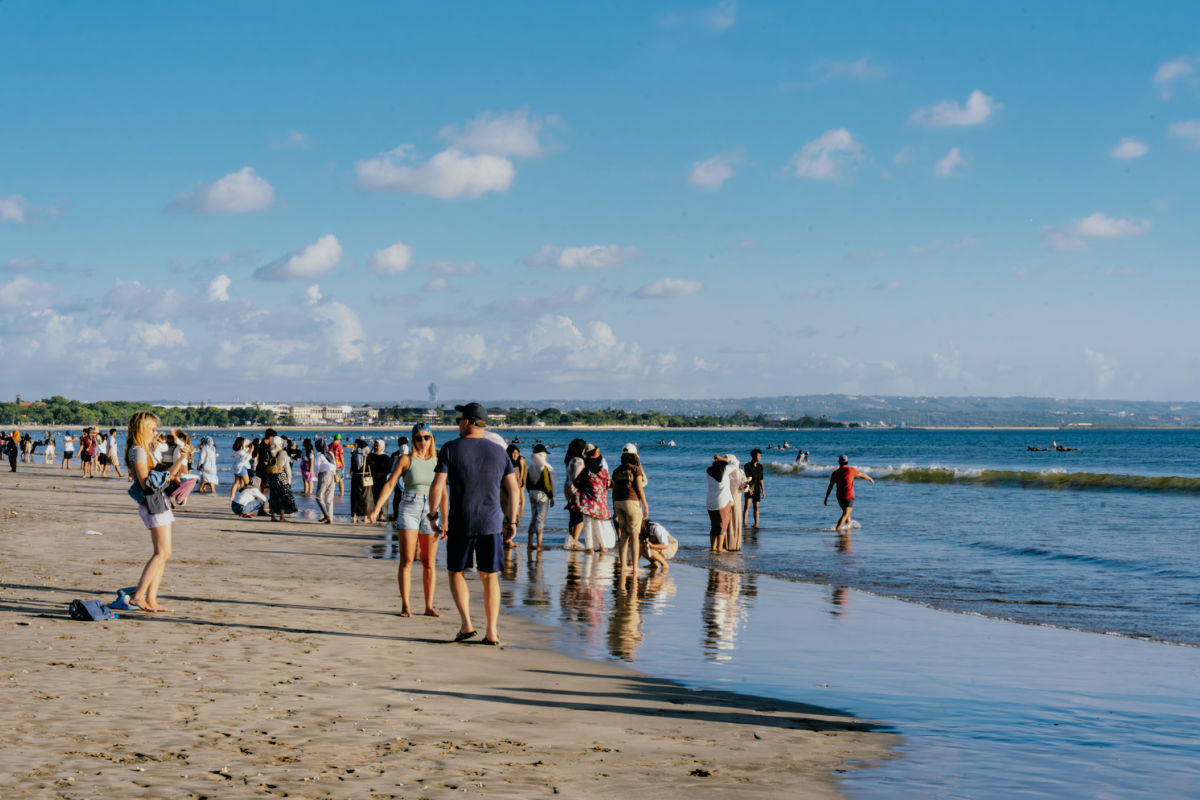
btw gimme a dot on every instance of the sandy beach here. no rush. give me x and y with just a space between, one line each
283 670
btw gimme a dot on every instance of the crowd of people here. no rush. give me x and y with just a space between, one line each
471 492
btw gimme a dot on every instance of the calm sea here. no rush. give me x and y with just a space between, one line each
1100 540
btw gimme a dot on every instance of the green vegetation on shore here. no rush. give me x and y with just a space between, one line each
59 410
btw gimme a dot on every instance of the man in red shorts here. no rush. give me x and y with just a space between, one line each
843 477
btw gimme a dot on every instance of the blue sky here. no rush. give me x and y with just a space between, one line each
319 201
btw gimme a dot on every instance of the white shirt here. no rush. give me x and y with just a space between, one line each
719 495
323 463
246 495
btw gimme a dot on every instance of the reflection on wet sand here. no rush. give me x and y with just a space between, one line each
837 600
727 602
625 622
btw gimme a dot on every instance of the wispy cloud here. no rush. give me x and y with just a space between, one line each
1188 131
393 259
713 172
292 140
1129 147
240 192
594 256
951 164
450 173
860 69
1074 235
827 157
307 263
12 208
517 133
1172 72
978 110
670 288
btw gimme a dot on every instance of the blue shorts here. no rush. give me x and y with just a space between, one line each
412 513
487 552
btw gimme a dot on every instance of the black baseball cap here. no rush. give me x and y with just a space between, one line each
475 412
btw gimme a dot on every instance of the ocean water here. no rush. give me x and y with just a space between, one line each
1096 550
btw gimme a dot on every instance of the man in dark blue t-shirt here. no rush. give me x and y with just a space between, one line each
473 466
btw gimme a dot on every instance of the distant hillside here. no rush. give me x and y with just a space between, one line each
912 411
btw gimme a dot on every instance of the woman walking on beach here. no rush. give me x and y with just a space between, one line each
629 507
87 452
326 472
539 481
150 485
282 501
208 466
306 468
592 485
573 464
241 466
362 495
49 440
413 527
379 464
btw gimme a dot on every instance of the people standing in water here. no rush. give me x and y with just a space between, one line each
573 464
539 481
629 507
153 506
755 489
591 492
362 491
379 464
87 453
339 460
307 475
414 522
843 478
48 438
737 487
719 503
473 468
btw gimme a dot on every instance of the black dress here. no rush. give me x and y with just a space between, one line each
362 497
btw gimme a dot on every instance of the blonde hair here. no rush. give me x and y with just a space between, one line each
140 436
432 445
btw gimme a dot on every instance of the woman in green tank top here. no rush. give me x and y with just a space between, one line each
413 527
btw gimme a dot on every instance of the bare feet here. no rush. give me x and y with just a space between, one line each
404 612
432 612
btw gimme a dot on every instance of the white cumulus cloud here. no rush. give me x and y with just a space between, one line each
218 289
12 208
670 288
1074 235
238 192
713 172
1170 72
450 173
825 158
860 69
1188 130
507 133
1129 147
595 256
25 292
311 262
978 110
953 163
391 259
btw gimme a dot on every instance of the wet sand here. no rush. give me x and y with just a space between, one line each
284 671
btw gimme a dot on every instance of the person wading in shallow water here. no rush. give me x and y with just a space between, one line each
473 467
843 477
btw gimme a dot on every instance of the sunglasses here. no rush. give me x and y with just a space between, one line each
422 438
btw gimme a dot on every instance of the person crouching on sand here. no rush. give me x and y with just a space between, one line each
153 507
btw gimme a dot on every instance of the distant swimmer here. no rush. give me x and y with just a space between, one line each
802 457
1062 449
1036 449
843 477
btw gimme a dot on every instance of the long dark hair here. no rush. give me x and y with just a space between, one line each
574 450
239 443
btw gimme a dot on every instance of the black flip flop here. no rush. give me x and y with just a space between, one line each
491 642
462 637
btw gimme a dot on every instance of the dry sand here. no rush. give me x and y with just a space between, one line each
284 672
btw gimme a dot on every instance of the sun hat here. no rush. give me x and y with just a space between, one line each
630 448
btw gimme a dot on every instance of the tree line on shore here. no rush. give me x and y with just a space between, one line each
59 410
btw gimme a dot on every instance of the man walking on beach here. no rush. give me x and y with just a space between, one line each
843 477
754 486
473 468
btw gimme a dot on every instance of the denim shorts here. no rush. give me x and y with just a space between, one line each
413 514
